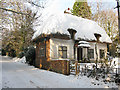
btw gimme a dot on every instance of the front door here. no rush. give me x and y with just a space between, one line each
79 54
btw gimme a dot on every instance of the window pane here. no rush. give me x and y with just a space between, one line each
64 48
60 54
90 53
42 51
102 54
59 48
64 54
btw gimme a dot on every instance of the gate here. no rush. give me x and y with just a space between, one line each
74 67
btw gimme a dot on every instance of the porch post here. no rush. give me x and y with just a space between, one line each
76 61
96 54
75 53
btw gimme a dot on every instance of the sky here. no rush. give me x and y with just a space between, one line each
61 5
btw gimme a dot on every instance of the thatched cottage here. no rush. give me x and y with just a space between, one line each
64 37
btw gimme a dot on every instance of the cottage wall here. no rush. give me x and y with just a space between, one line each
45 62
102 46
55 43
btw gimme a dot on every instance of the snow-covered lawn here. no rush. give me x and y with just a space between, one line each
20 75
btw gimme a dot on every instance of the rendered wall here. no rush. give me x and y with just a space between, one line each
99 46
55 43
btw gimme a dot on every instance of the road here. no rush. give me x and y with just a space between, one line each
18 75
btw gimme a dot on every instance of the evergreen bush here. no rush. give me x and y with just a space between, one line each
12 53
30 55
3 52
21 54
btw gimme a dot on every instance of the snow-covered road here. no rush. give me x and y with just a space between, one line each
18 75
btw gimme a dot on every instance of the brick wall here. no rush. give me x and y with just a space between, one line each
60 66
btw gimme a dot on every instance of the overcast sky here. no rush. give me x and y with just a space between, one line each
55 6
64 4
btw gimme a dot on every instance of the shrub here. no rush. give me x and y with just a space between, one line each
84 61
3 52
25 50
12 53
21 54
30 56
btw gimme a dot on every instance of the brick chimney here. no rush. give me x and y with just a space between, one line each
72 33
67 11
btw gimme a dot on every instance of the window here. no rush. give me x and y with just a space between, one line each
90 53
62 51
42 52
102 54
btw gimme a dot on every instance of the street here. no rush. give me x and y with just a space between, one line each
19 75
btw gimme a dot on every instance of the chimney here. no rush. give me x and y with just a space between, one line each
72 33
67 11
97 36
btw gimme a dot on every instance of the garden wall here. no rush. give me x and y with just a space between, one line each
60 66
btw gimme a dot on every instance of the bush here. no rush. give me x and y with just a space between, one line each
12 53
21 54
30 56
25 50
3 52
84 61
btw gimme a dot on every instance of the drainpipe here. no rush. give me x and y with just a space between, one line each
97 37
96 54
45 45
118 6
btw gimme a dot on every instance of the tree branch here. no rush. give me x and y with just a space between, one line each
10 10
36 5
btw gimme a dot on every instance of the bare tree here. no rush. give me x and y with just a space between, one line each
16 24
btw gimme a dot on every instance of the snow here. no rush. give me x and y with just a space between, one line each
115 62
50 7
61 22
83 42
89 65
118 46
84 45
20 75
52 19
20 60
61 59
0 74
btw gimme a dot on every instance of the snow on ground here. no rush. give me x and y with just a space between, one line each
20 75
0 73
115 64
21 60
88 65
